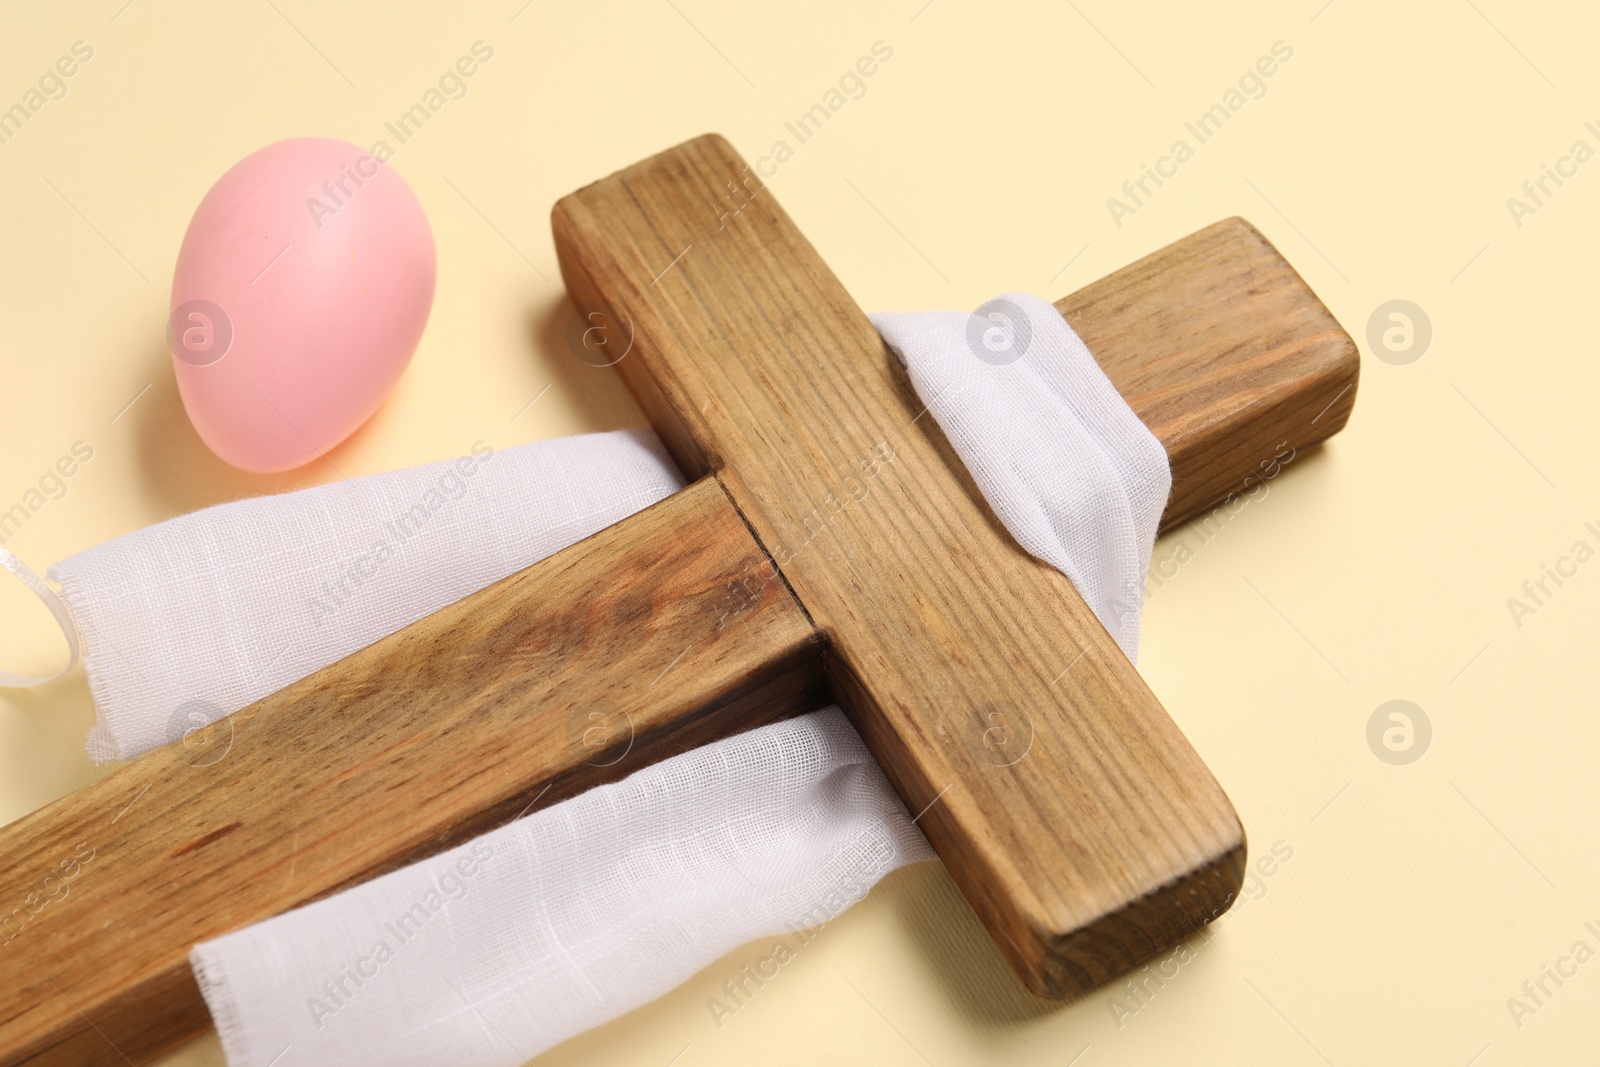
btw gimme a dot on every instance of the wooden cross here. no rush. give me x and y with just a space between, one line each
831 548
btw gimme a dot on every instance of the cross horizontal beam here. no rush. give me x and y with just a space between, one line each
616 652
650 637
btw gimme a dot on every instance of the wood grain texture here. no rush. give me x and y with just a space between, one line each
629 646
1226 355
1078 821
1103 842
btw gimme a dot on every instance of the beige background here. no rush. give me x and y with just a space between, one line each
1418 898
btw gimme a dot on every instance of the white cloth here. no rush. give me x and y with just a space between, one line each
493 952
194 618
600 903
1065 464
58 608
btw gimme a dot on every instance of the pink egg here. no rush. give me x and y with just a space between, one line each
301 291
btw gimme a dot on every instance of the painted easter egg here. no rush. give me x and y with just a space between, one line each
301 291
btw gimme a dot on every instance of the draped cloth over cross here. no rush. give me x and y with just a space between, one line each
911 606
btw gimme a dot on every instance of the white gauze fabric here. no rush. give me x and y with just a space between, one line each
493 952
190 620
580 912
1064 463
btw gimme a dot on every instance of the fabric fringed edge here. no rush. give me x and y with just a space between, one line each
223 1005
102 744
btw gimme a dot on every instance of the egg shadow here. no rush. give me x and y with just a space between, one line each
179 469
180 472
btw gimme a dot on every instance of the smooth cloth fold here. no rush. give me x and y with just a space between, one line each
561 920
493 952
192 619
1064 463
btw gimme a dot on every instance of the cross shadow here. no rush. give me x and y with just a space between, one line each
598 393
977 982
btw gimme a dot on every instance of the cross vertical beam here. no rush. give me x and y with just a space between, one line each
1106 839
